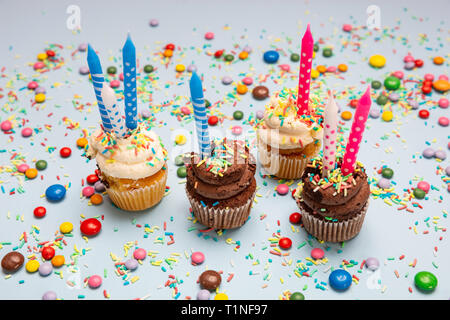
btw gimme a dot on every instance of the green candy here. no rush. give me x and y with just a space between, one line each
238 115
425 281
179 160
111 70
376 84
419 193
148 68
316 47
181 172
229 57
295 57
41 165
297 296
327 52
382 100
392 83
387 173
207 103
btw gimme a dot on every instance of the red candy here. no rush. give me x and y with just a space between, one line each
50 53
424 114
426 89
418 63
285 243
90 227
92 178
170 46
48 253
354 103
218 53
39 212
212 120
65 152
295 218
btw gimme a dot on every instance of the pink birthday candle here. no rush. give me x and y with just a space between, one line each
330 133
355 138
304 79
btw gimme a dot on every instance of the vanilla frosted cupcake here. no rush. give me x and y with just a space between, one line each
286 140
133 168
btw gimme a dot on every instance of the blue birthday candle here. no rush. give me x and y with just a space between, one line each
129 83
201 119
98 79
115 113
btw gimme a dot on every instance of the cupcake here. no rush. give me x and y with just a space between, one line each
221 187
287 141
333 208
132 168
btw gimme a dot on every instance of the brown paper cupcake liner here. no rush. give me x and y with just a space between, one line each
333 231
139 199
221 218
280 165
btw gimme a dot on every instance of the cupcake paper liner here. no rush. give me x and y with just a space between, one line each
333 231
139 199
282 166
221 218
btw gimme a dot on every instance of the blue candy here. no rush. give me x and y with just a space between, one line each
340 280
271 56
55 193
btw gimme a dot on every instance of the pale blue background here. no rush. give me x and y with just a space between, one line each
27 27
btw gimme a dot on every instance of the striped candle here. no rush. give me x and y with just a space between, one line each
304 79
115 114
330 120
356 133
201 119
98 79
129 83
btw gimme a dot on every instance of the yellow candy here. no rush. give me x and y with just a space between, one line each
387 115
377 61
180 68
221 296
32 266
180 139
314 74
314 54
42 56
40 97
346 115
66 227
241 89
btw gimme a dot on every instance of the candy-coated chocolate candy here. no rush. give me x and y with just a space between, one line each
314 74
327 52
90 227
260 92
271 56
428 153
181 172
45 269
372 263
191 68
96 199
154 23
82 142
221 296
185 110
384 183
99 186
441 85
409 65
49 295
82 47
297 296
6 125
394 97
218 53
92 178
398 74
32 85
39 212
41 164
42 56
66 227
140 254
387 173
83 70
94 281
131 264
443 121
32 266
418 63
207 103
22 168
114 83
295 218
419 193
48 253
425 281
295 57
342 67
236 130
197 257
55 193
12 261
210 280
438 60
317 253
31 173
111 70
238 115
440 154
39 98
377 61
179 160
392 83
443 103
148 68
382 100
180 67
203 295
226 80
353 103
212 120
282 189
340 279
425 186
228 57
426 89
346 115
27 132
243 55
259 114
58 261
209 35
38 65
424 114
285 243
241 88
170 46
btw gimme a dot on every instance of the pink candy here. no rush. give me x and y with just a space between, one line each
23 167
398 74
408 58
26 132
443 121
423 185
282 189
443 77
247 81
6 125
443 103
285 67
209 36
88 191
317 253
197 257
236 130
429 77
94 281
114 83
347 27
185 110
139 254
121 77
38 65
32 85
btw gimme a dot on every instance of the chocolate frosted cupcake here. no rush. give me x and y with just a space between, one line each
221 188
333 208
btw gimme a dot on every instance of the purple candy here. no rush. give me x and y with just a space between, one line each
447 171
131 264
83 70
413 104
372 264
384 183
146 113
428 153
45 269
374 113
410 65
153 23
259 114
99 186
394 97
440 154
49 295
247 49
227 80
191 68
82 47
39 90
203 295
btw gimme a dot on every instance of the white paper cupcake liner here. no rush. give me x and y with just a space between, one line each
333 231
139 199
280 165
221 218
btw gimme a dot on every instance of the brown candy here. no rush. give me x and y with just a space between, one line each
260 92
12 261
210 280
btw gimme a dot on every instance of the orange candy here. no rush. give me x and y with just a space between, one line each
342 67
31 173
58 261
168 53
241 89
96 199
346 115
321 69
438 60
243 55
441 85
82 142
